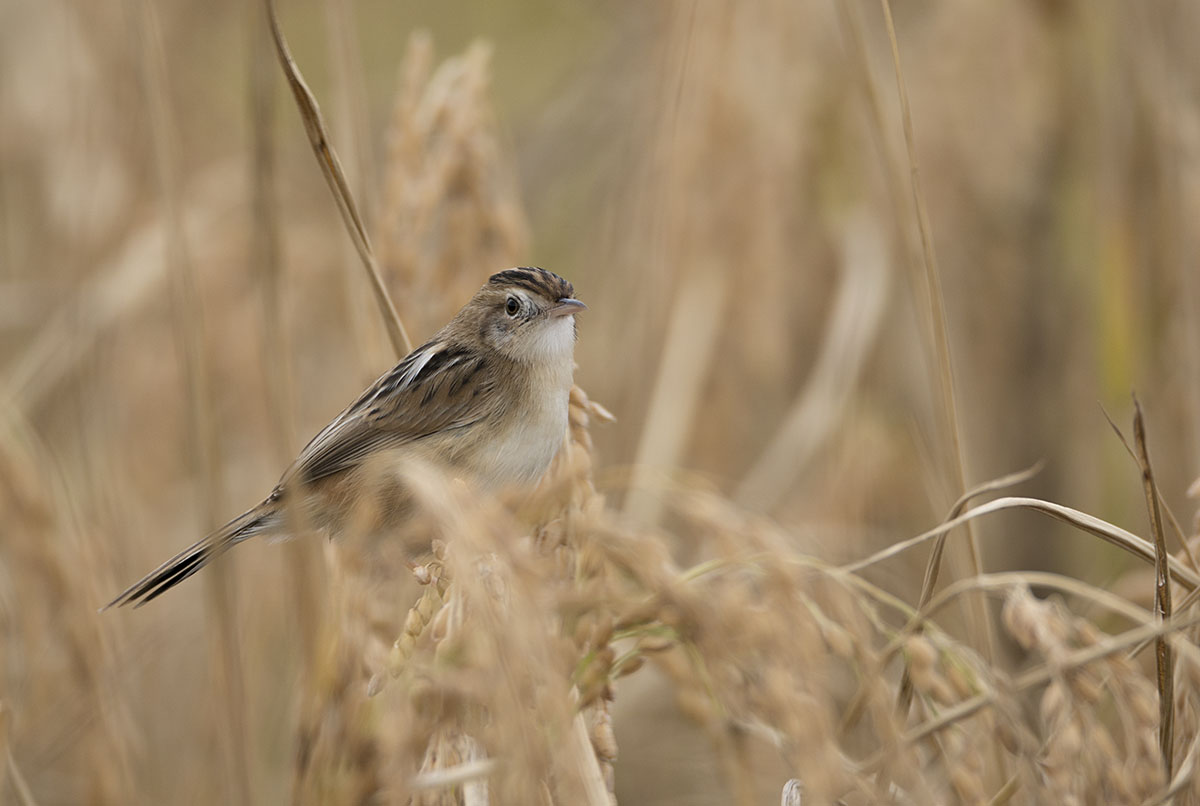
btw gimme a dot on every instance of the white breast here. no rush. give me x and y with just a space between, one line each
522 452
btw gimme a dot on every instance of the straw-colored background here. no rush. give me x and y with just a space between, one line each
728 187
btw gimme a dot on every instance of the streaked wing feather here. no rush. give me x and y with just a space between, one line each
420 396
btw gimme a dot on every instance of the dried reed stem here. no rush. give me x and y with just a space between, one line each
1184 545
331 169
980 620
1164 659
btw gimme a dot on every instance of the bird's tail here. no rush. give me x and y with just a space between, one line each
259 519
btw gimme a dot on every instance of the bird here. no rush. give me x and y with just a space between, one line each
486 397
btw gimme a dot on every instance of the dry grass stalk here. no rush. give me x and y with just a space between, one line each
1163 656
1127 541
980 620
331 168
1185 547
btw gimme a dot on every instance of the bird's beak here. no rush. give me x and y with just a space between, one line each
566 307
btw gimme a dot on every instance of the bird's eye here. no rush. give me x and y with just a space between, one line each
512 306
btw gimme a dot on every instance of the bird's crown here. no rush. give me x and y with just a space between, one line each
539 281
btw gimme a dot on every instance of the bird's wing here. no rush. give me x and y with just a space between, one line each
437 388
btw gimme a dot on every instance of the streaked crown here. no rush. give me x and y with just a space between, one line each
531 278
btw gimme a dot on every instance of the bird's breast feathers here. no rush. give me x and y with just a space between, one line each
523 446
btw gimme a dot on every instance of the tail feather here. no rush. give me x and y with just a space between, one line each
196 556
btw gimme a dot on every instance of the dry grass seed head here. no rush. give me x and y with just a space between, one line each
450 202
1086 755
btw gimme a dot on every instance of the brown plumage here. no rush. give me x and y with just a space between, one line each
486 397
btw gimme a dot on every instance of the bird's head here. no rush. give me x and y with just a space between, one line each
527 314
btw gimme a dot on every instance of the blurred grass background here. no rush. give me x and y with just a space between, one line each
711 179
